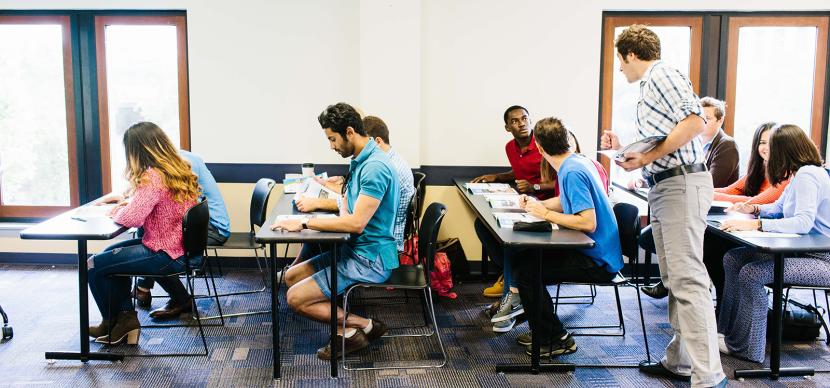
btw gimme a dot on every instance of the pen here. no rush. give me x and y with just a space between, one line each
78 219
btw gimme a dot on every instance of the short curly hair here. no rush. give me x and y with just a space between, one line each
552 136
641 41
340 116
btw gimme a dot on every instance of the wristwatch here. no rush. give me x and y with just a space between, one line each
304 223
537 187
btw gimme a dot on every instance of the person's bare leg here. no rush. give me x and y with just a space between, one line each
306 298
298 272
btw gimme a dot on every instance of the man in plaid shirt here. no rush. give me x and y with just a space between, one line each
680 197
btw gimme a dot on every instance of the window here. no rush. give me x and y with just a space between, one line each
776 72
680 46
56 130
142 76
38 164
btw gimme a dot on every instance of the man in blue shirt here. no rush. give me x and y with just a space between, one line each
582 205
219 229
370 197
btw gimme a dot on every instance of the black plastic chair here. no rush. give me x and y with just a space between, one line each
628 224
8 332
245 240
414 277
194 241
419 181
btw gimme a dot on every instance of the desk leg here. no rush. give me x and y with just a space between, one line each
775 371
275 316
83 308
484 270
535 366
334 309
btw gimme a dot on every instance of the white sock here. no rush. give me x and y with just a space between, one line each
350 332
564 337
368 327
143 289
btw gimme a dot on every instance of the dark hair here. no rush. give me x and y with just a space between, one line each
789 150
375 127
552 136
340 116
147 146
711 102
641 41
756 171
512 108
547 172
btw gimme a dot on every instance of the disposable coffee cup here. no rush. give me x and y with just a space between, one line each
308 169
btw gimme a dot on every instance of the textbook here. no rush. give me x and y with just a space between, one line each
506 220
498 201
641 146
296 183
490 188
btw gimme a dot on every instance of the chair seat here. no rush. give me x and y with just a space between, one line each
405 276
618 280
238 240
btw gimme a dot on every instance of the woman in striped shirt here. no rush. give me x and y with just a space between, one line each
163 188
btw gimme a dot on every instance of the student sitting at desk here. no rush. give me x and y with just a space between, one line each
549 174
371 195
163 188
582 205
803 208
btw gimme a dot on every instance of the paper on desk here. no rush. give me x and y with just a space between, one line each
283 217
92 211
760 234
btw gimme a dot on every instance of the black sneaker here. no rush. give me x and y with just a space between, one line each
525 339
657 369
559 348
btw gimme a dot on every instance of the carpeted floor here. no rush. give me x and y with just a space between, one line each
42 305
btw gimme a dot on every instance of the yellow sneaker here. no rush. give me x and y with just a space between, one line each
496 290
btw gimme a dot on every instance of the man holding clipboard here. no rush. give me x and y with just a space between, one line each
680 196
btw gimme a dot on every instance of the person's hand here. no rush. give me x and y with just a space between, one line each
489 178
536 209
636 183
609 141
633 161
118 206
333 183
524 186
307 204
110 198
290 225
742 207
736 225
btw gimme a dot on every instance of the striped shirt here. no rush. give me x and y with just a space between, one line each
407 187
666 98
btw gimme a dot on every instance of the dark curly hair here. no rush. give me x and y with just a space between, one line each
641 41
340 116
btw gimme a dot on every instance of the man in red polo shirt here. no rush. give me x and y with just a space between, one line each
524 158
525 173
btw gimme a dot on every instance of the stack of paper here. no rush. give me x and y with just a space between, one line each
283 217
506 220
490 188
500 201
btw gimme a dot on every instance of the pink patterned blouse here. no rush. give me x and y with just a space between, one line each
152 207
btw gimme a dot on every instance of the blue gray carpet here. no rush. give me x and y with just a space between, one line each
42 305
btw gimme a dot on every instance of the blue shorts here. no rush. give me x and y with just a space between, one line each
351 268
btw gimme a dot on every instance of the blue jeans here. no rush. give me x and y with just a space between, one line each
130 256
214 238
501 256
351 268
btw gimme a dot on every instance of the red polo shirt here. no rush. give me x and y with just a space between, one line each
526 165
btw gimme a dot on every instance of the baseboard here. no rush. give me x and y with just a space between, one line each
493 271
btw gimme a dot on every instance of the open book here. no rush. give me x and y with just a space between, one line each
500 201
506 220
490 188
641 146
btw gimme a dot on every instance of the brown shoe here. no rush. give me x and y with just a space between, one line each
354 343
378 330
143 298
172 310
126 328
101 329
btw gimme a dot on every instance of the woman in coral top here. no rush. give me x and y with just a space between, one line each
754 188
163 189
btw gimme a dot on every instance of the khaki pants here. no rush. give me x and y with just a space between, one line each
678 217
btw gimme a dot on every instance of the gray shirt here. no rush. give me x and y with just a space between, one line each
804 207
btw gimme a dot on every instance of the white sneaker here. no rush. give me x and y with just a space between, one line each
504 326
511 306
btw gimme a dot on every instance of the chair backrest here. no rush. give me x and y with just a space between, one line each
628 222
409 224
420 191
195 229
259 201
428 234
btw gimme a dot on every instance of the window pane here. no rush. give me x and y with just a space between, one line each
34 161
675 44
774 81
142 85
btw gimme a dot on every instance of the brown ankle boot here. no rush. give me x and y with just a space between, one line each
126 328
101 329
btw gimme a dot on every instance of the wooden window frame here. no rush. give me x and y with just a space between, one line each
23 211
101 22
818 112
611 22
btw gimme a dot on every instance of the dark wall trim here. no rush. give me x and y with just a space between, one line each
31 258
250 173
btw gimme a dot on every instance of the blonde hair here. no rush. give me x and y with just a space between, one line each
147 146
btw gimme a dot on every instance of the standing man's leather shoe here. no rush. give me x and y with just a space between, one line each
143 298
172 309
657 291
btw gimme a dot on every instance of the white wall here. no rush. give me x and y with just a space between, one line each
440 72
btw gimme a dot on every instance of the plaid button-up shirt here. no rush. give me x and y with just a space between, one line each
666 98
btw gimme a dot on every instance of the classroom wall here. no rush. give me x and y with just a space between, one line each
439 72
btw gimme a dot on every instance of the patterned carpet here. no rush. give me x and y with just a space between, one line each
42 305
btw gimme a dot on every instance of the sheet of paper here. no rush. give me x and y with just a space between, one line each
760 234
92 211
283 217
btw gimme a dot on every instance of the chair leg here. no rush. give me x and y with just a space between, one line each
428 293
196 311
619 309
642 322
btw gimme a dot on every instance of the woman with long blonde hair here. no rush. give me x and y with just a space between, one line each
162 189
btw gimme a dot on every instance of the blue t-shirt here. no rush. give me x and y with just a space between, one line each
580 189
371 174
218 213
